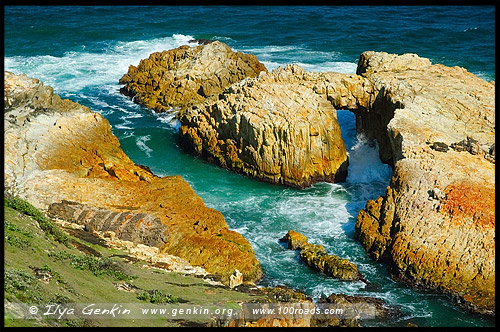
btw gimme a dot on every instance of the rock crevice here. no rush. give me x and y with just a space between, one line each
435 224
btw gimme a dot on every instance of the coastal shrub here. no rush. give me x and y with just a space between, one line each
55 274
15 236
16 241
22 285
60 299
98 266
156 296
50 229
78 322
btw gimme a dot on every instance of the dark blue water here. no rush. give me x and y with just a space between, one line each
83 51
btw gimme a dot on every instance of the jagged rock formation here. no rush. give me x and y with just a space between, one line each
434 124
315 256
58 150
436 223
354 310
273 127
295 240
187 75
279 296
292 308
131 226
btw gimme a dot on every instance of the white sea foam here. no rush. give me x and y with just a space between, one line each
270 49
122 126
141 143
127 134
170 118
364 163
330 66
75 71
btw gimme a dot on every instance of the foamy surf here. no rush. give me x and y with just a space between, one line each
141 143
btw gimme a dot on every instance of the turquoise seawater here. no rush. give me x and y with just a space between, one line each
83 51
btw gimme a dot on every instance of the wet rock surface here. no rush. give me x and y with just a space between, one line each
315 256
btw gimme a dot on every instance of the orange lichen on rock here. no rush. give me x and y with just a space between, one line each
466 200
67 153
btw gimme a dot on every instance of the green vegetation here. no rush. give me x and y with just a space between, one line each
40 269
50 229
98 266
156 296
21 284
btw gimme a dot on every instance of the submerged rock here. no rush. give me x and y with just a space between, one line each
187 75
201 41
57 150
316 257
272 127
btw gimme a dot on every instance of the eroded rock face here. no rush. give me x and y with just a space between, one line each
58 150
355 309
435 224
292 308
272 298
131 226
273 127
295 240
187 75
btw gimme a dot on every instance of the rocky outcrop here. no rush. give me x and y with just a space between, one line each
284 307
315 256
436 223
136 227
272 127
257 313
295 240
187 75
434 124
57 150
355 309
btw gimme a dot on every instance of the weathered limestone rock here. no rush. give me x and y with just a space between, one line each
296 303
316 257
187 75
436 223
235 279
273 127
295 240
355 309
58 150
292 308
140 228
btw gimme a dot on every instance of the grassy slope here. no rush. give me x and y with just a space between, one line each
28 247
